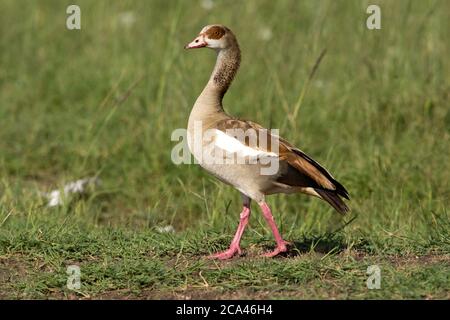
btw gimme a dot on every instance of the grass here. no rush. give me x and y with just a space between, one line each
103 102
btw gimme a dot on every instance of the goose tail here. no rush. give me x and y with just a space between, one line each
334 199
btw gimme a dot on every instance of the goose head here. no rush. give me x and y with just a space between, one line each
213 36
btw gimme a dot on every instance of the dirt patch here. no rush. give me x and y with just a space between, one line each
12 268
401 261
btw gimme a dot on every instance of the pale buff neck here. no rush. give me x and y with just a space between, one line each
208 106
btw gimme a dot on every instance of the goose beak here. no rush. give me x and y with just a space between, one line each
198 42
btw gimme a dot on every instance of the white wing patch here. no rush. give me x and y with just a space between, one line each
234 146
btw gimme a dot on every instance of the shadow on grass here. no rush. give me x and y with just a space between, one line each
329 243
324 244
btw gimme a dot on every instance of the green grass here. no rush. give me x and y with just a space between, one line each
103 102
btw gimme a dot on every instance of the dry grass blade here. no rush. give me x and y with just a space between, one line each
293 116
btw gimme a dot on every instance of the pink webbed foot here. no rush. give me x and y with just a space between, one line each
279 249
227 254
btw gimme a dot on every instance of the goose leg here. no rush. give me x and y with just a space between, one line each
234 246
281 244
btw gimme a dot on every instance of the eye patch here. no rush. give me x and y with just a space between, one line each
215 32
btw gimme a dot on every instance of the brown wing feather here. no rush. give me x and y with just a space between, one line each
302 170
339 188
305 165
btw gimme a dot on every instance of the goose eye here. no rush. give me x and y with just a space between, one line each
196 40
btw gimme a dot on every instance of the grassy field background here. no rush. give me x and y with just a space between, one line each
103 101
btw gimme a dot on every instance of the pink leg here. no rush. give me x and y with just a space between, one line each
281 244
234 246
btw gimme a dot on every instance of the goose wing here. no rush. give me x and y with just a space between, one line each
302 170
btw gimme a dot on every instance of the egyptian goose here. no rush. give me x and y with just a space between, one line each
213 142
